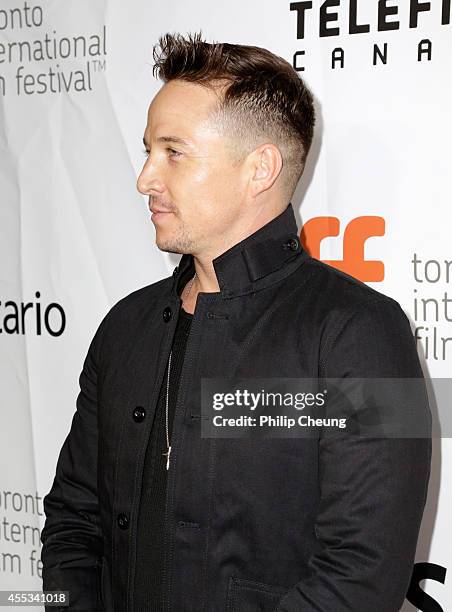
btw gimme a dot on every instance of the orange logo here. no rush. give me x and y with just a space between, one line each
356 233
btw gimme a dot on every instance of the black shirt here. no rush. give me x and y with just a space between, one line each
151 516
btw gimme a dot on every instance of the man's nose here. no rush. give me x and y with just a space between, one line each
149 179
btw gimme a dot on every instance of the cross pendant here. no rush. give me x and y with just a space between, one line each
167 457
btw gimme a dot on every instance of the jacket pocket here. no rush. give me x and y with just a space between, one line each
250 596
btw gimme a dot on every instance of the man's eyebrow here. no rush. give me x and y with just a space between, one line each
175 139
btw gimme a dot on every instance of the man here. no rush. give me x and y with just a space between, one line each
147 514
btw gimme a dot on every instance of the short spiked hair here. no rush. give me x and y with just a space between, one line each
263 100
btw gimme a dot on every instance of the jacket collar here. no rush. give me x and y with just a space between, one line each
247 263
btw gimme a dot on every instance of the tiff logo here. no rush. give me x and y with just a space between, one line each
357 231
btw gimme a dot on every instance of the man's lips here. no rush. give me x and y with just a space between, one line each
159 213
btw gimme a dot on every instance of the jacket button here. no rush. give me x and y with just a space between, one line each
123 521
167 314
291 244
138 414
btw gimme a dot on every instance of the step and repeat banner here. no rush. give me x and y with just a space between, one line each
374 201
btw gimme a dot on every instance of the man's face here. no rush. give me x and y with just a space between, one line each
195 182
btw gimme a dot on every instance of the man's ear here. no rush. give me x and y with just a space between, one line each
266 163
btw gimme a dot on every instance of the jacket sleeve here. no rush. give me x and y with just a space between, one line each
373 489
72 538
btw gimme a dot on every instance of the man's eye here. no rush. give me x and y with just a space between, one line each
173 152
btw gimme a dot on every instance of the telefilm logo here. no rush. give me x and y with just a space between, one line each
32 317
327 19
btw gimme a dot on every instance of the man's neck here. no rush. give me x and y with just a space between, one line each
205 281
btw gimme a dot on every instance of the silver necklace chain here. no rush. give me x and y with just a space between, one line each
168 446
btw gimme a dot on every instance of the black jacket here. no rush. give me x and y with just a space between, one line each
324 524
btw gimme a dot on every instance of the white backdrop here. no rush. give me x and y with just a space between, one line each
76 236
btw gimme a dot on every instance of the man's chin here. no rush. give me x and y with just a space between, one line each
169 247
173 242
